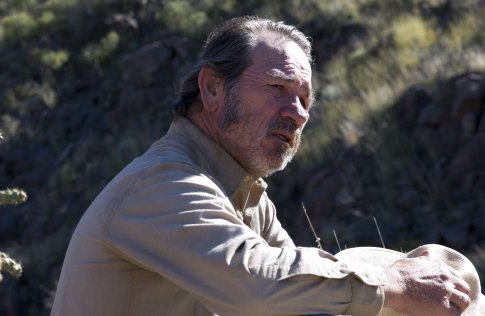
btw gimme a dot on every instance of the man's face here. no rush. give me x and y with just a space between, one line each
267 108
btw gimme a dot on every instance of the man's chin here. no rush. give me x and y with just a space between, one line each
274 167
264 165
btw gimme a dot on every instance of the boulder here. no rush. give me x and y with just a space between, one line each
139 67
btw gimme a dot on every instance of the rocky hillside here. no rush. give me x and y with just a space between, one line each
398 136
435 194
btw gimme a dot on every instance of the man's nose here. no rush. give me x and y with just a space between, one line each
295 111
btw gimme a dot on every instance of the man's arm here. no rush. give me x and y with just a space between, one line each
178 223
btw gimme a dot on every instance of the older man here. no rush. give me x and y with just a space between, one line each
187 228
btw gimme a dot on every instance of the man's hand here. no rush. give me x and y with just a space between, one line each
425 286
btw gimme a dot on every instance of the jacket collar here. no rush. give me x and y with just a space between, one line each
206 153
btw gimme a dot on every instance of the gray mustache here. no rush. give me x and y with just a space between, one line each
282 125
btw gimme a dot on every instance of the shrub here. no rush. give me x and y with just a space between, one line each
463 31
412 31
10 196
9 265
46 18
54 59
183 15
99 53
17 27
411 36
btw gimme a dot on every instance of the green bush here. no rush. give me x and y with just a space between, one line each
411 36
8 197
184 16
99 53
54 59
462 32
12 196
17 27
9 265
46 18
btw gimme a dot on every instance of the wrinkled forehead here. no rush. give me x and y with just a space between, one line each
283 58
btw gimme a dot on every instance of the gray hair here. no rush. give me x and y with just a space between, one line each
227 52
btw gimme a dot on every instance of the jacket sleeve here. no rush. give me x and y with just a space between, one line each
178 223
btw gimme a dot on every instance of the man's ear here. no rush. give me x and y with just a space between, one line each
211 89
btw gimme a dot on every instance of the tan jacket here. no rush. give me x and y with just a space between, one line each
183 230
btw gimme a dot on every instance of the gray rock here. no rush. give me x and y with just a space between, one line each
139 67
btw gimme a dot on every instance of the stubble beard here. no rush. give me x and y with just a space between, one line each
248 151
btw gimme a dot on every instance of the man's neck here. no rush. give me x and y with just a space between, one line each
205 122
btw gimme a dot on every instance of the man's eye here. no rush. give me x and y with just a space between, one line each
277 86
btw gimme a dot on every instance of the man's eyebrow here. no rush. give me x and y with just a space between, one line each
278 74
